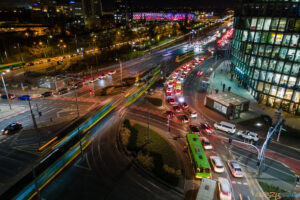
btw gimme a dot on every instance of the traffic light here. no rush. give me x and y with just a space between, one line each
230 140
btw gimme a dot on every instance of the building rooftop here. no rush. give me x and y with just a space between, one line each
228 98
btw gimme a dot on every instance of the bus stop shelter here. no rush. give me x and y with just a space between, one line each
227 103
207 189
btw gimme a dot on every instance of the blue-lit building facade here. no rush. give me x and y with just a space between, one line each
266 53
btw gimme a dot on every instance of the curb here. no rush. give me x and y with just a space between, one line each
13 114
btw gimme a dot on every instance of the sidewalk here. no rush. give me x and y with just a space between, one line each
6 112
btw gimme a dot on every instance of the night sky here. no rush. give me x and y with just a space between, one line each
151 4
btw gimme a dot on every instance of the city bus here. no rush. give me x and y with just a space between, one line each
197 156
184 56
11 66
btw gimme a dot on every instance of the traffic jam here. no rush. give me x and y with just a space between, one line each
180 111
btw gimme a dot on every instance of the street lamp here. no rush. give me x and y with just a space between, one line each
121 71
7 96
212 81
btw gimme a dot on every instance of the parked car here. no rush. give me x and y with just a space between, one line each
12 128
235 169
194 129
11 96
24 97
46 94
206 144
217 164
224 189
77 85
226 127
169 90
206 129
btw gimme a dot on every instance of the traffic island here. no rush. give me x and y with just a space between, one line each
273 192
156 156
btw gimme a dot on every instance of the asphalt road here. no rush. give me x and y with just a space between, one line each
129 68
273 171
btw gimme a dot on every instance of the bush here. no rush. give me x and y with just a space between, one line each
146 160
155 101
125 135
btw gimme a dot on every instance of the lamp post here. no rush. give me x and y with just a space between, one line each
121 71
212 81
5 89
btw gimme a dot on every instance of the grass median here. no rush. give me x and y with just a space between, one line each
273 192
157 156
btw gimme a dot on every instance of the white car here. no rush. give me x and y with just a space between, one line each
170 85
248 135
206 144
224 188
217 164
225 126
192 114
235 169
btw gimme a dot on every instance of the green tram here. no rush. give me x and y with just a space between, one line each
184 56
197 155
11 66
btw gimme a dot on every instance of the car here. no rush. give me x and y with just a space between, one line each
194 129
206 129
224 189
235 169
183 67
170 114
62 91
183 76
178 92
12 128
11 96
177 109
217 164
200 73
171 101
101 76
176 72
188 68
184 118
169 94
248 135
24 97
184 105
192 114
46 94
186 71
174 76
226 127
169 90
77 85
206 144
170 85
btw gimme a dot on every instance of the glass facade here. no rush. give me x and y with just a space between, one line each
266 53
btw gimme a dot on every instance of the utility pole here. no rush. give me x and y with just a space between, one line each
148 129
7 96
34 122
169 130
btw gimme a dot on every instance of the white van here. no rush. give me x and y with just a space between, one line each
225 126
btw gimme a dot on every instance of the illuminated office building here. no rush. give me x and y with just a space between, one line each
266 53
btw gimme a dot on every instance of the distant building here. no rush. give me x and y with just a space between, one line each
266 52
161 16
123 12
92 8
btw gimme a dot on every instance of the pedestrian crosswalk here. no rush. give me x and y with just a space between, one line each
239 182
